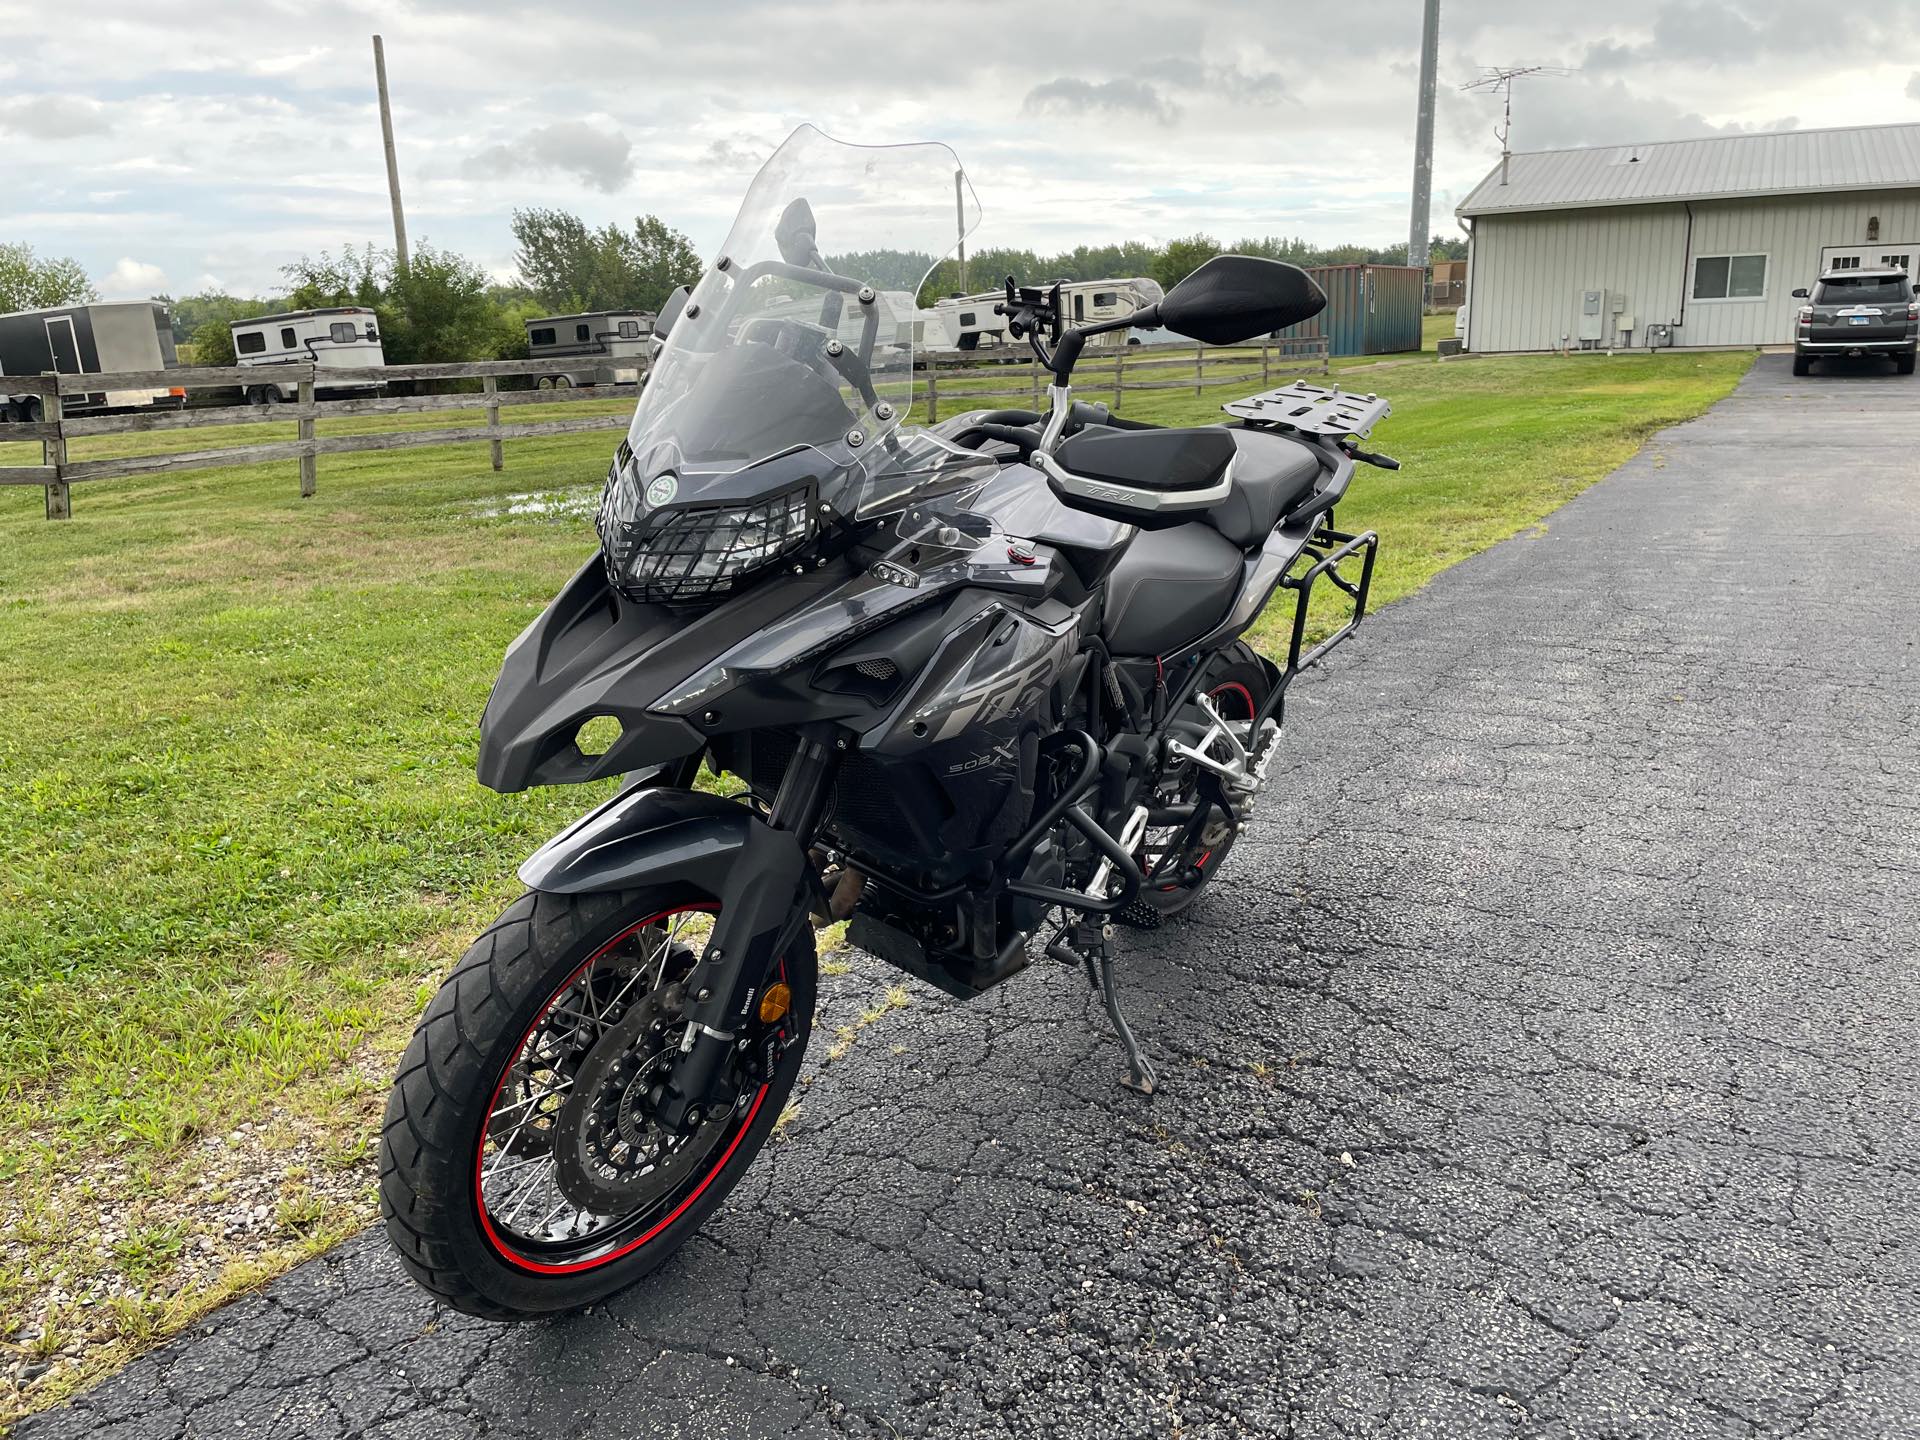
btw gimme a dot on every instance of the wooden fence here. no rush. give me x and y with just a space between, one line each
1115 372
969 378
55 429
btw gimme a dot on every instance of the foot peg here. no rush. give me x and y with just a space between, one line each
1086 944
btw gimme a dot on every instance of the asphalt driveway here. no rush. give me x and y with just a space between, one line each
1552 1073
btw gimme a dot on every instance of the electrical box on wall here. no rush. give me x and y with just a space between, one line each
1593 305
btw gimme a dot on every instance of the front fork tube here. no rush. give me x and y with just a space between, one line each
766 891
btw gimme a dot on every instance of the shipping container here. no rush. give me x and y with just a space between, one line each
1371 309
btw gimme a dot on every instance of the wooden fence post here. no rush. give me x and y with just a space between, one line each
1266 372
491 386
54 452
1326 350
1199 369
1034 366
933 396
1119 369
309 462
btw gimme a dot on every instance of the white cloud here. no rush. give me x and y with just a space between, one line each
132 280
602 159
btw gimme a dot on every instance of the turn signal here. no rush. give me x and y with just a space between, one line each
775 1003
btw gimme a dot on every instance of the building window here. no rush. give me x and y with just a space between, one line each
1730 277
341 332
583 333
542 336
1897 262
1845 262
250 342
288 340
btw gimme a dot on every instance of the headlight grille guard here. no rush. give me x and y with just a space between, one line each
695 553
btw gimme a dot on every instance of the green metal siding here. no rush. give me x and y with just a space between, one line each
1371 309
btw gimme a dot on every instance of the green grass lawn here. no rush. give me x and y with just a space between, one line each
242 834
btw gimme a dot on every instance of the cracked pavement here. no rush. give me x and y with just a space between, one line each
1543 1064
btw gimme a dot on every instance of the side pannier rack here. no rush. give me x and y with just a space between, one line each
1326 415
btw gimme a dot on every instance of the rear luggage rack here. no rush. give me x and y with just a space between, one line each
1312 410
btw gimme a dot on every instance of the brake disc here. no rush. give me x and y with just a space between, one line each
610 1156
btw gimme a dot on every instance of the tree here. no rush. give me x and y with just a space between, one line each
440 308
1182 257
30 283
572 267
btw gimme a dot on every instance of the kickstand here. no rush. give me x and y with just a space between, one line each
1086 944
1141 1078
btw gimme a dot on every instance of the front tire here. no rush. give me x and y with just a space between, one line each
460 1156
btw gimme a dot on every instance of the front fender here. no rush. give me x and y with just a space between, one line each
717 847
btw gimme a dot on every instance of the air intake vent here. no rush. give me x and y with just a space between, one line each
878 669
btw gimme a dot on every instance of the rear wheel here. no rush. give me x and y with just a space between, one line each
1801 364
1178 867
1903 364
521 1170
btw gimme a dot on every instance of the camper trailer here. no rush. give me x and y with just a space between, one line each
338 337
603 347
96 339
974 323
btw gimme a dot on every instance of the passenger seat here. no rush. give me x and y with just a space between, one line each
1271 476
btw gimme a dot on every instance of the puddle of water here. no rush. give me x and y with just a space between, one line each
548 504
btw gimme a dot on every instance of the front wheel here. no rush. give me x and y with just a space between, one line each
521 1169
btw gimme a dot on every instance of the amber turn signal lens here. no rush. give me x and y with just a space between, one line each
775 1002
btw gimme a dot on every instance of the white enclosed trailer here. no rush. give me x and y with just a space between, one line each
601 347
971 320
338 337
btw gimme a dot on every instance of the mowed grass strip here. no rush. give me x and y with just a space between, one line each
242 837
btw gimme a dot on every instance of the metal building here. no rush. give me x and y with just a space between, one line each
1682 242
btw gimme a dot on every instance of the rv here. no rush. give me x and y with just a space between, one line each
93 339
338 337
603 347
973 322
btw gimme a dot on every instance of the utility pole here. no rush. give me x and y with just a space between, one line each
1419 225
393 163
960 222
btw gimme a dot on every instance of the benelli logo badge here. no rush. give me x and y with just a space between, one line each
894 574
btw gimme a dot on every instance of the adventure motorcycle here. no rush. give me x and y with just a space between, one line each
969 683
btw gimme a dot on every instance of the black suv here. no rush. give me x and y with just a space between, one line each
1858 312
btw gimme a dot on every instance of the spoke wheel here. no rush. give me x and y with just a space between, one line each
522 1168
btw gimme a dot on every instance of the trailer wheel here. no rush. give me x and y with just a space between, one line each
563 382
34 409
545 382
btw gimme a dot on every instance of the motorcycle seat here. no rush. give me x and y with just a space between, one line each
1169 588
1272 476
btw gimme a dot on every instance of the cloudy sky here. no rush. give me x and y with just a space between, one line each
178 147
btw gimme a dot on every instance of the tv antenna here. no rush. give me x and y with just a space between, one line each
1498 80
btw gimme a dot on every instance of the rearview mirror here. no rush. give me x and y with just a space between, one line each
670 311
1801 293
795 234
1233 298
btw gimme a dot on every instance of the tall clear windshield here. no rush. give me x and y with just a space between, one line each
800 334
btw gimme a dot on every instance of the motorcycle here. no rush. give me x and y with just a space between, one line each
977 688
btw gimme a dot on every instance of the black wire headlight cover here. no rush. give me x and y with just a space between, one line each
670 554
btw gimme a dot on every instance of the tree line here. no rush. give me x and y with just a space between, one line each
443 306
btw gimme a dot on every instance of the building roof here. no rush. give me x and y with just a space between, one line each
1773 162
